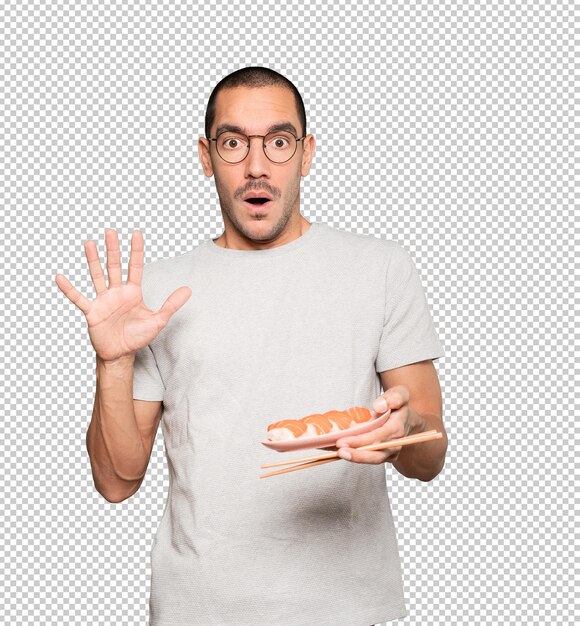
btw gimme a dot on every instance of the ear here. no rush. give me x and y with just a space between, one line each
204 155
307 154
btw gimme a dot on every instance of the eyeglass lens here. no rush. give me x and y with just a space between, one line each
233 147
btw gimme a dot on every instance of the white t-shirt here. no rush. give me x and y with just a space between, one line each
269 335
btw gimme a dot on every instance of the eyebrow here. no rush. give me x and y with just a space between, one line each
273 128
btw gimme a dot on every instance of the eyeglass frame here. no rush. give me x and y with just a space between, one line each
250 145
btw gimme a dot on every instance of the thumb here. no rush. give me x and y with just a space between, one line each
173 303
380 404
395 397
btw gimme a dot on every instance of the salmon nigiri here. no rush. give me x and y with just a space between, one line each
342 420
318 424
286 429
339 418
357 415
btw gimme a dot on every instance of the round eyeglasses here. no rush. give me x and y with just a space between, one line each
279 146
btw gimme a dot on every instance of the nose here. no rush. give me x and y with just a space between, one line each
256 162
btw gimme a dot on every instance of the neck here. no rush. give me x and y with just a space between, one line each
222 240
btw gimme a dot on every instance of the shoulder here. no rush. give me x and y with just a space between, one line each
366 252
378 248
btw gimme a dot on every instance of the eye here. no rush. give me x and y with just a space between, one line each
279 142
233 142
280 146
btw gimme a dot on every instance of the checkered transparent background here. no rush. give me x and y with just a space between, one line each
445 126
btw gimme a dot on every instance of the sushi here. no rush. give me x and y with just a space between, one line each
318 424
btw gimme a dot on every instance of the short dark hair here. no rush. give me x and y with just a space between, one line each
254 76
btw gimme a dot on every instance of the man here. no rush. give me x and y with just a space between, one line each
277 318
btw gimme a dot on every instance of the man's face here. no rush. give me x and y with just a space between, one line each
255 110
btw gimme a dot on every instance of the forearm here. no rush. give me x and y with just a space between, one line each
116 447
423 460
107 483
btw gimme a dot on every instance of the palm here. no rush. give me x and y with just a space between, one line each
118 321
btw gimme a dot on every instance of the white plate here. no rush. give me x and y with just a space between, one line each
329 439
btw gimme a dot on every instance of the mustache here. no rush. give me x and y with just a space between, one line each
267 190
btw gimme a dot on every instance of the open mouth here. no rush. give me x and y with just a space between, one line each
257 201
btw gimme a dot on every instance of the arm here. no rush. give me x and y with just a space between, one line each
119 441
423 460
122 430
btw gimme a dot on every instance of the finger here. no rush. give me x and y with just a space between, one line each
393 398
113 258
396 396
175 301
370 456
373 457
136 259
375 414
387 431
95 268
72 294
380 405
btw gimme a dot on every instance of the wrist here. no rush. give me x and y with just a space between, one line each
119 365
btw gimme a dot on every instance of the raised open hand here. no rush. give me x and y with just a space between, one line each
119 322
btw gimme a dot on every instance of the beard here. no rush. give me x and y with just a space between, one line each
244 221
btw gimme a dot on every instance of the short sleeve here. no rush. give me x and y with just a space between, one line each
408 333
147 383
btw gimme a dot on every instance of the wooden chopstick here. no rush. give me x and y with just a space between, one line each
392 443
329 457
